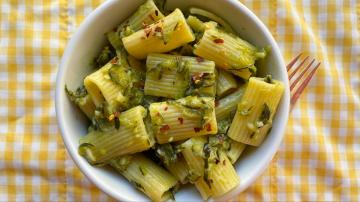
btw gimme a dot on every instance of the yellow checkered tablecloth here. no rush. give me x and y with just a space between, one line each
319 159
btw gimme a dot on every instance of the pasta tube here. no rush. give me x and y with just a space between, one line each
227 105
254 114
131 137
179 169
147 176
228 52
167 34
146 14
225 83
183 118
175 76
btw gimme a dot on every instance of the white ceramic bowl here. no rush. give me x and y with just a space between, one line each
87 42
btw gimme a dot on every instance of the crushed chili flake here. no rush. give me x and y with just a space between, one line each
199 59
116 114
217 161
147 32
166 108
144 25
157 114
218 40
224 162
114 60
156 12
181 120
217 103
208 127
197 129
197 76
158 29
164 128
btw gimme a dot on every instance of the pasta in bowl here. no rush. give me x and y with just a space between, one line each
172 99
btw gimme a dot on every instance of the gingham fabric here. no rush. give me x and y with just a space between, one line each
319 159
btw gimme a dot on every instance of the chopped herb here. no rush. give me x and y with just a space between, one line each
218 41
268 79
167 153
142 171
207 152
105 56
77 95
265 114
117 122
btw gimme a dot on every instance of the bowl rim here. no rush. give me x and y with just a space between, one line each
98 182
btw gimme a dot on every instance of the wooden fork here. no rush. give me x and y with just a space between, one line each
300 74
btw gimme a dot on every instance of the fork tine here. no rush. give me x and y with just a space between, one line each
290 65
298 67
303 85
301 75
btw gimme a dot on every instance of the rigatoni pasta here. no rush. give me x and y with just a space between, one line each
225 83
165 105
146 14
130 137
165 35
255 112
183 118
174 76
228 52
147 176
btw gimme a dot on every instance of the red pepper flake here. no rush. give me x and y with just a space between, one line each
158 29
224 162
147 32
217 161
197 76
157 114
181 120
116 114
151 17
166 108
114 60
197 129
217 103
164 128
208 127
144 25
200 59
218 40
156 12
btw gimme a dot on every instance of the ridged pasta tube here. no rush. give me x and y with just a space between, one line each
228 52
146 14
174 76
165 35
184 118
147 176
227 105
100 146
225 83
254 114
